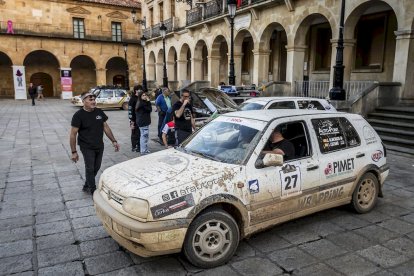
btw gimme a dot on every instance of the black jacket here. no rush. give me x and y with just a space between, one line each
143 113
131 108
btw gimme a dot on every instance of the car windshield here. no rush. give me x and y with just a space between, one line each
226 139
251 106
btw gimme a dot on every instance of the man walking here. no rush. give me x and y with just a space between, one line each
163 104
89 124
32 92
183 117
135 133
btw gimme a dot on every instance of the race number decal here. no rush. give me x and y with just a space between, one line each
291 181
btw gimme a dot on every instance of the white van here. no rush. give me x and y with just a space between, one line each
221 186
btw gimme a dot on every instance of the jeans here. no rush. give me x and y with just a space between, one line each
144 139
135 137
93 161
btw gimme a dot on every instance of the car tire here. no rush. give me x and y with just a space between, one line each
365 195
124 106
211 239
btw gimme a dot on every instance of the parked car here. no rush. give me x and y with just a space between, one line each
107 97
286 103
219 186
242 91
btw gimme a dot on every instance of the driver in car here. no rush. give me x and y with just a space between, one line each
280 145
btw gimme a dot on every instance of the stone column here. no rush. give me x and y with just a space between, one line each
170 71
159 72
214 70
260 66
100 76
181 71
196 72
150 71
237 67
349 45
404 63
294 63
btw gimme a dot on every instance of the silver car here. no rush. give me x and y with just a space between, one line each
286 103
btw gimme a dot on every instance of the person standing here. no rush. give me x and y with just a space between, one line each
143 114
183 117
40 92
88 125
135 134
163 104
32 92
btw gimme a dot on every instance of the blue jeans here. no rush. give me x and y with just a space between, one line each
144 139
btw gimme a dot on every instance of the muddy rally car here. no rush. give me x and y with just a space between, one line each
223 184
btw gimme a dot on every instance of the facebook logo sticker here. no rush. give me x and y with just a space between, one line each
254 186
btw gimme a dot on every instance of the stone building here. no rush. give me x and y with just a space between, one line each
285 45
81 41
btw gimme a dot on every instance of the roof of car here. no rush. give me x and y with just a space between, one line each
268 99
270 114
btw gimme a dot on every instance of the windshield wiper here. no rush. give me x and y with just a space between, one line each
206 156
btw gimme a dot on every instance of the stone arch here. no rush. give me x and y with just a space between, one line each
83 74
243 57
6 74
200 60
41 61
219 56
271 48
302 28
184 64
116 68
172 64
151 66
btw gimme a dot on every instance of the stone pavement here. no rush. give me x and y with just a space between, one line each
48 225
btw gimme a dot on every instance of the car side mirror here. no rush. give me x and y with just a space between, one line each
272 160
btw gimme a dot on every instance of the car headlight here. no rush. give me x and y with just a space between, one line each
136 207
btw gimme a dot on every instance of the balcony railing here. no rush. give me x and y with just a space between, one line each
194 16
154 31
320 89
213 8
63 31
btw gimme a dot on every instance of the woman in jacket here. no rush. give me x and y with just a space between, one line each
143 116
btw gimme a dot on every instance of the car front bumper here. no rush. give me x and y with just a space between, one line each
142 238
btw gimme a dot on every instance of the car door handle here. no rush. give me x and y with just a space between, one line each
312 167
359 155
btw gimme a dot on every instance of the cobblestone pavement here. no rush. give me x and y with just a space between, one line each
48 225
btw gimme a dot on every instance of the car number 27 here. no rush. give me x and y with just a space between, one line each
291 181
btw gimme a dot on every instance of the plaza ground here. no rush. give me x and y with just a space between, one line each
48 225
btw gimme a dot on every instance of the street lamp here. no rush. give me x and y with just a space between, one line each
135 20
163 32
232 5
338 92
144 74
127 67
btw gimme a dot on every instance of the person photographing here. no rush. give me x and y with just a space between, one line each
183 117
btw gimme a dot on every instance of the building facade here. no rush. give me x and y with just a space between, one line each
68 45
285 42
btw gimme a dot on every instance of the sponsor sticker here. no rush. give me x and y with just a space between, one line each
254 186
172 206
376 156
341 167
291 180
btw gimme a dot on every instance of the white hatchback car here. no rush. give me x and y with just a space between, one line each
219 186
286 103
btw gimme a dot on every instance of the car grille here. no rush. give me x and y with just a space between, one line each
111 195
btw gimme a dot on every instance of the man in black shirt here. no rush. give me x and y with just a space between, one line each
280 145
135 133
89 124
183 117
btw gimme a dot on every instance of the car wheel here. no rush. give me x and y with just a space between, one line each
125 106
365 194
211 239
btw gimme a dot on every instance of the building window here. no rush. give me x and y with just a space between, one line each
370 34
323 48
172 9
161 9
116 31
78 28
151 17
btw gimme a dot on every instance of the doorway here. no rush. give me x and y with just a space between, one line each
45 80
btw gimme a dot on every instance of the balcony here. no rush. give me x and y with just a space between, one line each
65 31
216 8
154 31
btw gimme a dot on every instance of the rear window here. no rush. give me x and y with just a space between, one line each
335 134
316 105
283 105
251 106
